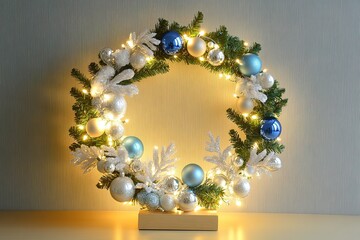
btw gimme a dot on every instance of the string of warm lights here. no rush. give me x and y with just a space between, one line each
100 120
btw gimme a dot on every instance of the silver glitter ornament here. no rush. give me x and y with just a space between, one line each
244 104
187 201
215 57
115 104
109 167
115 130
238 161
106 55
266 80
122 189
141 196
274 164
220 180
137 60
241 187
152 201
167 202
171 184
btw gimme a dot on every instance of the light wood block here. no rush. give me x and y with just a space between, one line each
199 220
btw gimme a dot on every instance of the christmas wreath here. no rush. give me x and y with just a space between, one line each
100 108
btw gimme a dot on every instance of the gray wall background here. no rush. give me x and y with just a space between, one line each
312 47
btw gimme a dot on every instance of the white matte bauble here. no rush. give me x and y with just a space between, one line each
109 167
196 46
167 202
241 187
220 180
116 104
95 127
101 166
122 189
187 201
106 55
266 80
274 164
115 130
137 60
121 57
244 104
215 57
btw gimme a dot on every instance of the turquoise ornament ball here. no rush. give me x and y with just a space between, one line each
141 197
250 64
192 175
133 146
152 201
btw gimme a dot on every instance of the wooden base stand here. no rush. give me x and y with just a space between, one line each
199 220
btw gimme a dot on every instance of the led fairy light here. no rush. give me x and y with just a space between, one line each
100 118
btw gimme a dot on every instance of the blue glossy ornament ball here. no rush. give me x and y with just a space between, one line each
133 146
171 42
192 175
250 64
270 128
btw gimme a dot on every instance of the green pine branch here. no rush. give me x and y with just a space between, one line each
151 69
255 48
274 104
106 179
82 79
93 68
209 194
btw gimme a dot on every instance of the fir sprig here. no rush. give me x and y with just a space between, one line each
209 194
106 179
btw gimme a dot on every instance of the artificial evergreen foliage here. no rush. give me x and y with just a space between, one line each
209 194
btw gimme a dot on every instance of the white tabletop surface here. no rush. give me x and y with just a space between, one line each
53 225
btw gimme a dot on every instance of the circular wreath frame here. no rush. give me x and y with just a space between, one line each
88 151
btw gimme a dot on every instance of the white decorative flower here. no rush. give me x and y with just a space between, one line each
155 170
87 157
259 163
222 159
145 42
250 87
116 156
102 82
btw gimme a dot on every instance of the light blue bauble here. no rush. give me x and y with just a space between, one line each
171 42
152 201
270 128
141 196
192 175
250 64
133 146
